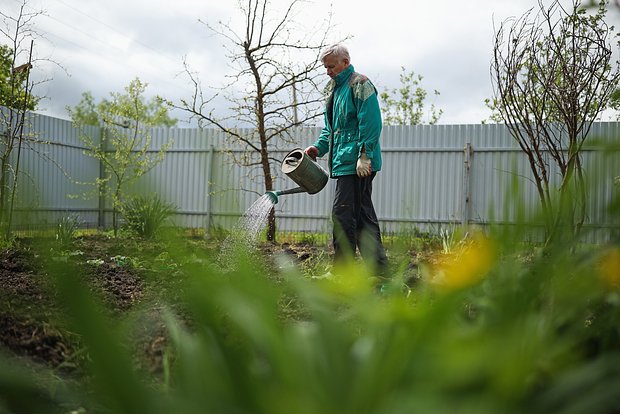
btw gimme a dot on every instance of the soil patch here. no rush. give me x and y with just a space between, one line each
29 324
135 279
120 286
17 276
27 337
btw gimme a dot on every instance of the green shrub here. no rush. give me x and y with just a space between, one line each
66 229
145 216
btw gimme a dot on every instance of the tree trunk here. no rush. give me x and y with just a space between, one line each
115 205
271 219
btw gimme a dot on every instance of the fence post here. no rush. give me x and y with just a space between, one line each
102 184
209 179
468 152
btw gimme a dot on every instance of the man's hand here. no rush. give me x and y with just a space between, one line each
312 152
363 168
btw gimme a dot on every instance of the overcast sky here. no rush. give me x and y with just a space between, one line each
103 45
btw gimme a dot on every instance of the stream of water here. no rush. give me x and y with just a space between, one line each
246 231
255 217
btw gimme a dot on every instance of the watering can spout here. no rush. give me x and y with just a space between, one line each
273 195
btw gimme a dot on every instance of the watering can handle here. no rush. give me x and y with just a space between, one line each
292 161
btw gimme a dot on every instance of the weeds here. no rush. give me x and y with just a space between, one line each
145 216
447 239
7 242
66 229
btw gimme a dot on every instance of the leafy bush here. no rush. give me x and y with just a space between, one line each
145 216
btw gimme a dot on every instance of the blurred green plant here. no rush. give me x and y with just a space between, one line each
484 333
491 326
412 238
7 242
217 233
146 215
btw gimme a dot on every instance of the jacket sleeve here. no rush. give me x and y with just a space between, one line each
368 117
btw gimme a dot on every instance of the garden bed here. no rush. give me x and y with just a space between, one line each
130 277
481 325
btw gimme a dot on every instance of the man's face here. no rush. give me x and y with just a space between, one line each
334 65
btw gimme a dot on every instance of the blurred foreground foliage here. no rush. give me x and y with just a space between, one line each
487 326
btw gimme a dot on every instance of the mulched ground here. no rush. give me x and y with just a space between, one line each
28 327
27 337
27 324
17 276
119 284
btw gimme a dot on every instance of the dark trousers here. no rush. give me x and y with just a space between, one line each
355 222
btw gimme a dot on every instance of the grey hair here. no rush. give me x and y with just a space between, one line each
338 50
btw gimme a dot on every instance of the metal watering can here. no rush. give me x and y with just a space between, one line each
309 175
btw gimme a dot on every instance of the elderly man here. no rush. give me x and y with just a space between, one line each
350 138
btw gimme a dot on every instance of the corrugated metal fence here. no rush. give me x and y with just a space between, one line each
433 176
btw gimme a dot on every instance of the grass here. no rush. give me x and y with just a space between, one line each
486 326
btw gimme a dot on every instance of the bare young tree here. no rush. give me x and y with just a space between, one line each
17 98
276 86
553 74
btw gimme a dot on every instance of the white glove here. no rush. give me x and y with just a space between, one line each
363 167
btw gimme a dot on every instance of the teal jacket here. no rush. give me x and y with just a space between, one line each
352 123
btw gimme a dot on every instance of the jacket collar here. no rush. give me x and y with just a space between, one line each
344 75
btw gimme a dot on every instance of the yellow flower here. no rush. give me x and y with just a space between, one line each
609 268
466 265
